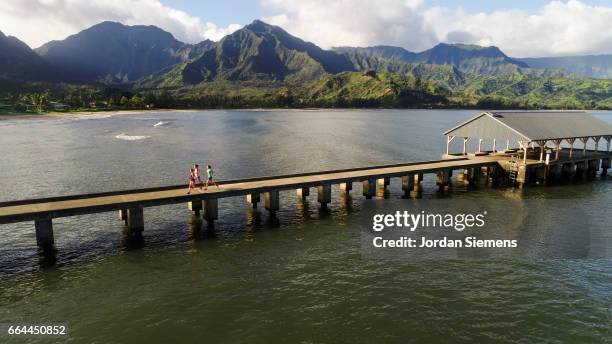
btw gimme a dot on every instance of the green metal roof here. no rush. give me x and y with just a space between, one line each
532 125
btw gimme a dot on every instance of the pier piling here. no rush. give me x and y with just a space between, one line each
302 193
383 182
593 167
369 188
324 194
346 187
522 176
271 201
408 184
135 220
211 210
253 199
443 178
44 234
123 215
605 165
195 206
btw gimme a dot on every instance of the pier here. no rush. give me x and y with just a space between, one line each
510 166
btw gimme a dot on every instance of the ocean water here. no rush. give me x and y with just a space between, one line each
302 276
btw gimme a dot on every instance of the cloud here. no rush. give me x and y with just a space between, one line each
558 28
39 21
358 22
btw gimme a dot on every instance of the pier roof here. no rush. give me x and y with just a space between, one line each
532 125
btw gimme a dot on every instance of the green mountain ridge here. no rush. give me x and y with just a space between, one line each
259 51
113 52
466 58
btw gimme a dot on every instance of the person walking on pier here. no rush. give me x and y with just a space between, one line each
192 180
198 175
209 178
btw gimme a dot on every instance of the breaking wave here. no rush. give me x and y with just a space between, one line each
126 137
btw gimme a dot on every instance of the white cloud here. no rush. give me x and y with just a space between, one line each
38 21
558 28
358 22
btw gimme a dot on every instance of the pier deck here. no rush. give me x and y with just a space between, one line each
29 210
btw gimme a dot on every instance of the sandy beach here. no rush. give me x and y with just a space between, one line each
58 115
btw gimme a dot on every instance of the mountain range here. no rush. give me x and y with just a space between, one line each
147 56
471 59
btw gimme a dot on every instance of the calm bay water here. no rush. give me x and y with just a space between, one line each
299 278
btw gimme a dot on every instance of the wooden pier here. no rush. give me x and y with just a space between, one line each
510 167
130 203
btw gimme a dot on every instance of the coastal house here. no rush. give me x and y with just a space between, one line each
25 106
59 106
98 104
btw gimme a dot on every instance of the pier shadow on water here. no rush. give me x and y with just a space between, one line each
132 241
47 257
272 221
200 229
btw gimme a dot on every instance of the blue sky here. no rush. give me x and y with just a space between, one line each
221 12
520 28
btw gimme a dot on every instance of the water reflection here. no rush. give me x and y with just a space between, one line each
253 218
195 227
345 204
303 212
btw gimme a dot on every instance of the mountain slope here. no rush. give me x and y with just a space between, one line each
533 90
469 59
379 58
258 52
18 61
114 52
472 59
377 90
590 66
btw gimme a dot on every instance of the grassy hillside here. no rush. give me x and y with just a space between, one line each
350 89
422 87
533 91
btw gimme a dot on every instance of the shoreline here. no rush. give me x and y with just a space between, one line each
79 114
